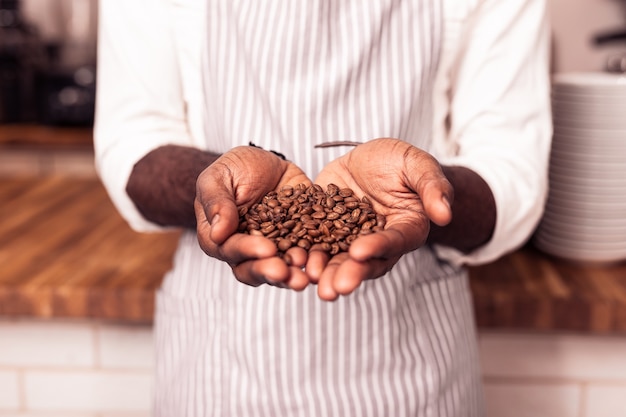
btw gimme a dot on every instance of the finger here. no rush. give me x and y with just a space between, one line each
431 185
350 274
296 256
316 263
217 203
436 196
343 275
224 221
396 240
325 288
325 285
298 279
271 271
238 248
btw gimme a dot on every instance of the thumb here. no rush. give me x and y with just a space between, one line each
437 195
224 220
220 211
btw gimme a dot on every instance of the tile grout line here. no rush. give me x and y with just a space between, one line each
97 351
582 403
21 383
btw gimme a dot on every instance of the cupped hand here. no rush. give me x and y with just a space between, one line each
403 183
240 178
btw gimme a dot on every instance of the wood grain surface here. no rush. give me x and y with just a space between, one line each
33 136
531 290
66 252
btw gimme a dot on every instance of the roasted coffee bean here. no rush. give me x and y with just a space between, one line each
289 224
332 190
329 239
341 233
346 192
367 225
273 234
286 191
311 218
304 244
333 216
318 215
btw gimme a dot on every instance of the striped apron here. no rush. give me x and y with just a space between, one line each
288 75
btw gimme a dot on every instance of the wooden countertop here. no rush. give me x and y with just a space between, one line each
47 138
66 252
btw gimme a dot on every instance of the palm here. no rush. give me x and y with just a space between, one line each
382 183
251 176
241 177
405 185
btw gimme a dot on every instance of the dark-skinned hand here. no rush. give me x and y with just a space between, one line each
241 177
403 183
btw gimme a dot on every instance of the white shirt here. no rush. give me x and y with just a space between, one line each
491 101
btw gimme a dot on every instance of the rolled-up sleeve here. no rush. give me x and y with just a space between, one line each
500 120
139 102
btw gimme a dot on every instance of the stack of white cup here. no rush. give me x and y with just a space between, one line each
585 216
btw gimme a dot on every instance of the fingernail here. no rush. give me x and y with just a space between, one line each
447 202
215 219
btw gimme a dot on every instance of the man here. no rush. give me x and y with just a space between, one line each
449 101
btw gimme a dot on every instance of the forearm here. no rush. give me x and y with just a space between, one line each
162 185
473 212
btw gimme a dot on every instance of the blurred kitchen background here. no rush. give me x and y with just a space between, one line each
47 61
48 53
75 329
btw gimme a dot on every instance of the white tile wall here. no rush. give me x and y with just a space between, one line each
61 368
606 400
91 391
579 357
89 369
43 343
47 414
124 414
125 347
528 399
9 393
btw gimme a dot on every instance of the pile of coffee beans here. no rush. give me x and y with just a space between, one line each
309 217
